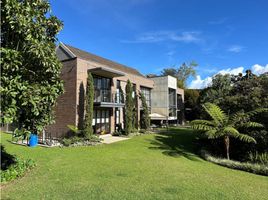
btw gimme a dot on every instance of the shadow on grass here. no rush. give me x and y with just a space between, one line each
176 142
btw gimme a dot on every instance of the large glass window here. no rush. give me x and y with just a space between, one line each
147 94
172 102
172 97
102 89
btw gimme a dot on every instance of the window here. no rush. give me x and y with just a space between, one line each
118 92
147 94
102 89
172 102
101 120
172 97
134 90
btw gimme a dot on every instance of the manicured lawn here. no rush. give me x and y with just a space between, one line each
145 167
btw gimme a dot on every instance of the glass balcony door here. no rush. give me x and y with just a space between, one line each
102 89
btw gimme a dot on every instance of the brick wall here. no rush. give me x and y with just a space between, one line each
65 110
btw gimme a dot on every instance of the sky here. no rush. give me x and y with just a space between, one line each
222 36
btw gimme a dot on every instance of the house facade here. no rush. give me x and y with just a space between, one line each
110 80
167 101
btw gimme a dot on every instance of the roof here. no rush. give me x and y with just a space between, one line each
109 63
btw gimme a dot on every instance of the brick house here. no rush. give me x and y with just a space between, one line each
109 84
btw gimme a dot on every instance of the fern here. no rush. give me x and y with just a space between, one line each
223 126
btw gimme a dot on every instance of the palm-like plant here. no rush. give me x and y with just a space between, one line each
225 126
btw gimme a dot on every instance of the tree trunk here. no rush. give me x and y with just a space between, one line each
227 145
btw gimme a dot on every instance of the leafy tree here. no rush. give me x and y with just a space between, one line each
88 130
129 108
224 126
218 91
30 79
145 118
191 104
172 71
235 93
182 73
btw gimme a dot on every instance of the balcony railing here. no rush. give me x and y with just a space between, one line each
108 96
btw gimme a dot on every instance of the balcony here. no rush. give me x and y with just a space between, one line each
107 98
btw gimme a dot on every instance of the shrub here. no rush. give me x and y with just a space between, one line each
129 108
94 138
12 167
246 166
6 159
74 129
70 141
117 133
87 129
78 141
261 158
145 118
66 142
142 131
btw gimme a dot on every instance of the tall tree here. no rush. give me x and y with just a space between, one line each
30 79
223 126
88 130
185 71
129 108
191 104
145 118
182 73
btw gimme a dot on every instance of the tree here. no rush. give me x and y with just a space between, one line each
218 92
186 71
145 118
88 130
135 124
129 108
234 93
182 73
224 126
191 104
30 79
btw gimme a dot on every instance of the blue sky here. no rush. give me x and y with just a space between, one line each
149 35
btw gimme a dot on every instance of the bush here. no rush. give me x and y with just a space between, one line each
94 138
69 141
117 133
78 141
6 159
248 167
261 158
142 131
12 167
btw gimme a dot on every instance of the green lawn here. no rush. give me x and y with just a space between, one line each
145 167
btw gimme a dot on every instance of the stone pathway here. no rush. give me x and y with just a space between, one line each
108 139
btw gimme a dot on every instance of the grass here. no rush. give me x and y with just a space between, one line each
156 166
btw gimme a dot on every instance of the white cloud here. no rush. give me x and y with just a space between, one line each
199 83
235 49
258 69
231 71
160 36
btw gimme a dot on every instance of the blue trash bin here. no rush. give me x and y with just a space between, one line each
33 140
